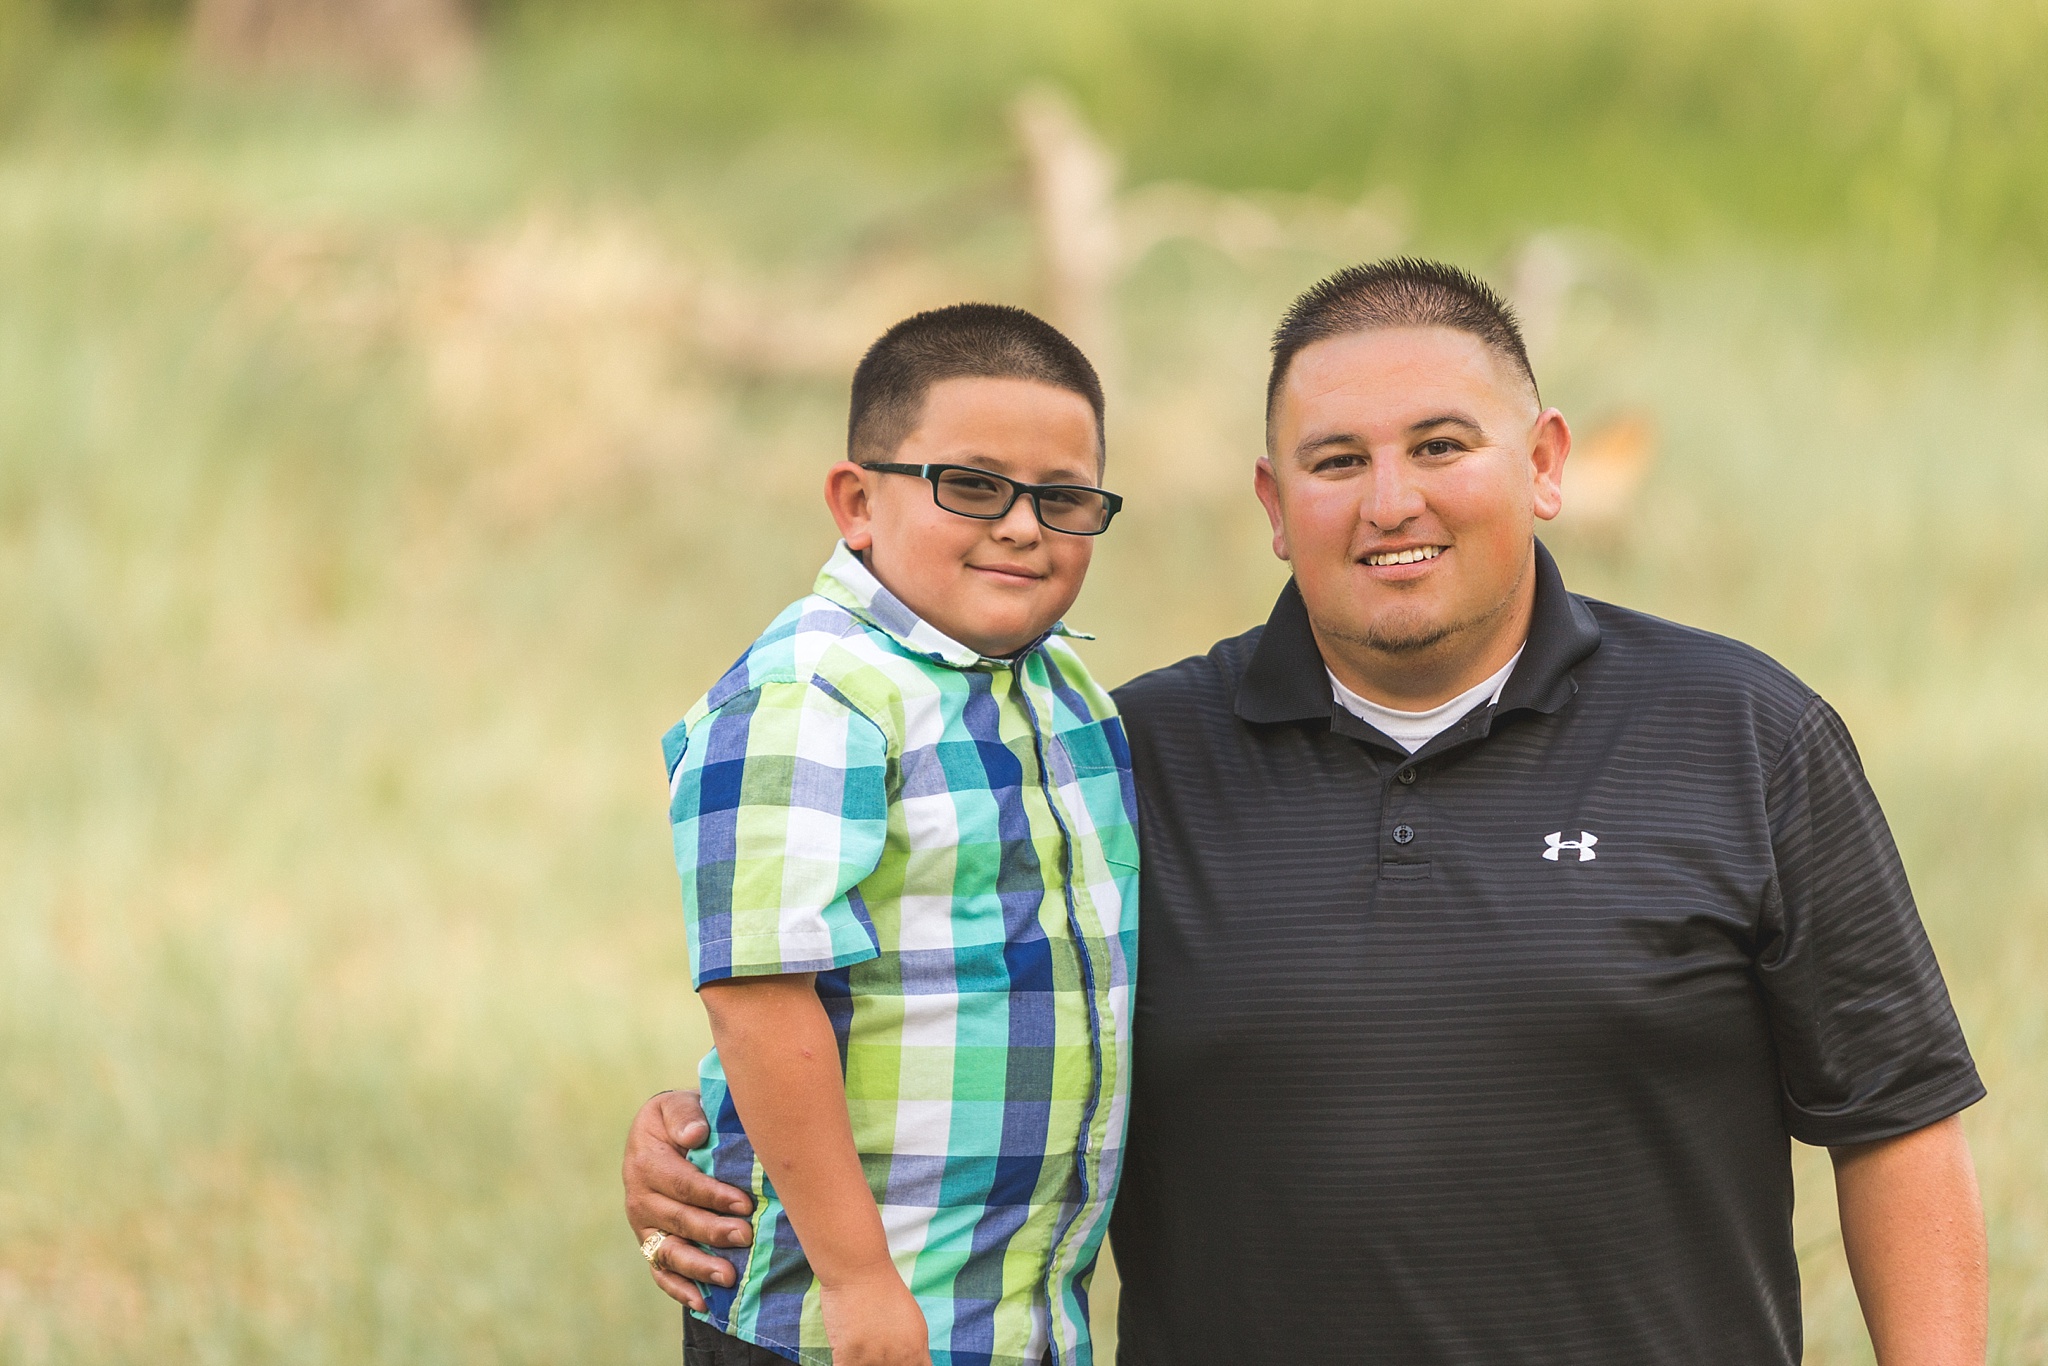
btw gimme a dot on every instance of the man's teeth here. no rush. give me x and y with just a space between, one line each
1421 552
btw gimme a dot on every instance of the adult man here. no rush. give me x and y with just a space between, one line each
1494 941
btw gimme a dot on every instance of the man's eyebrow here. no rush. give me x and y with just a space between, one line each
1448 420
1316 443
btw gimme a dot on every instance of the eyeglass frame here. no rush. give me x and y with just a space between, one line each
1114 502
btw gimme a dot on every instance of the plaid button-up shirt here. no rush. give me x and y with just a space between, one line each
949 842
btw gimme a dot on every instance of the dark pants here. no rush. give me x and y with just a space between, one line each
704 1345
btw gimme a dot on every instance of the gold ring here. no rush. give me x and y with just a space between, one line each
652 1246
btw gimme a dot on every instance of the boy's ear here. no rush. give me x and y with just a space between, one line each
847 494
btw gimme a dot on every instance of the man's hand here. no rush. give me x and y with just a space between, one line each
1913 1226
874 1321
665 1191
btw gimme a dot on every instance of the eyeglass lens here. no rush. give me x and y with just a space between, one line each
982 495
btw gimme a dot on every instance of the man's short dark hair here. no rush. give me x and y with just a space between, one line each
1402 292
964 341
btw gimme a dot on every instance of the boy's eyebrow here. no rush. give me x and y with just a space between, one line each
996 465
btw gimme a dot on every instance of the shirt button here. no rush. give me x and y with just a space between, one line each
1407 775
1403 833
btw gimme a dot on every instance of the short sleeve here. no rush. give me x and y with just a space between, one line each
1868 1044
778 800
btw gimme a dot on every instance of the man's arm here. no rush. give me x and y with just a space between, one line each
782 1059
1913 1227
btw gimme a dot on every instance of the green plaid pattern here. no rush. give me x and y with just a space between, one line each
950 843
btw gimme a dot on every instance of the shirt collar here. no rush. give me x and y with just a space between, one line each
848 581
1288 681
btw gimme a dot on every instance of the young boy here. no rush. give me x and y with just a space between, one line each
905 823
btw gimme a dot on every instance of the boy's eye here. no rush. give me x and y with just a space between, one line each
970 483
965 492
1061 498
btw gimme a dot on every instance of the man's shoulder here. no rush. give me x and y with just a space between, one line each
1195 684
1689 665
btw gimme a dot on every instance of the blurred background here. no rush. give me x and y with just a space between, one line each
407 409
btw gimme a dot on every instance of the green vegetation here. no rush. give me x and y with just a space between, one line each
1912 130
377 481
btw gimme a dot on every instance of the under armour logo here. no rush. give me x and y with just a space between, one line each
1584 844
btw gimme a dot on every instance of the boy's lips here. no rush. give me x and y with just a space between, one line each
1008 573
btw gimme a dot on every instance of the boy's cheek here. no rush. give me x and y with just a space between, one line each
1063 591
1073 574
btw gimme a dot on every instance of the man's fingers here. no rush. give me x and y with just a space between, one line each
684 1292
682 1115
659 1169
681 1269
665 1191
657 1158
655 1166
651 1211
685 1260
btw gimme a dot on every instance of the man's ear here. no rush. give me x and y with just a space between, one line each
1266 484
847 493
1546 461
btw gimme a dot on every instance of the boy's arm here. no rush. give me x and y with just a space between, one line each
781 1060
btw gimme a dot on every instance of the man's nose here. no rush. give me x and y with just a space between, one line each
1392 494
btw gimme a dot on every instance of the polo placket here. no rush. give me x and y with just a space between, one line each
1404 846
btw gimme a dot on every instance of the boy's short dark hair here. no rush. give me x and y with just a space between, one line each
963 341
1402 292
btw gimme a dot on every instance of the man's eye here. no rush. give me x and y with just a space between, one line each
1438 447
1339 462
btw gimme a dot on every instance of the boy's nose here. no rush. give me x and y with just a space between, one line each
1019 525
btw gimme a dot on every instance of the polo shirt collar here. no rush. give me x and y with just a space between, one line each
848 581
1288 681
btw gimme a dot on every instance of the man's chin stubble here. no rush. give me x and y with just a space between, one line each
1418 640
1421 637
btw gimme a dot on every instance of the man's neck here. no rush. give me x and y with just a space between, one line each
1418 680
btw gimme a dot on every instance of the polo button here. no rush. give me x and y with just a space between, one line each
1403 833
1407 775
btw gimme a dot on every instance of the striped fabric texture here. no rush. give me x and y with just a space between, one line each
949 842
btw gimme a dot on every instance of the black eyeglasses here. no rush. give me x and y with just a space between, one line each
1076 509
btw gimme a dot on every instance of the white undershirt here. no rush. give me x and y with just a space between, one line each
1411 730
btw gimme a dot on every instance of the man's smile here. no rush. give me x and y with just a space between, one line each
1400 564
1411 555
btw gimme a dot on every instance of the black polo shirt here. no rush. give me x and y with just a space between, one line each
1491 1054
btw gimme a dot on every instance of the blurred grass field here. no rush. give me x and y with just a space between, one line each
378 479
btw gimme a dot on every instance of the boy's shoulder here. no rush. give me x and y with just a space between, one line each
1076 686
818 643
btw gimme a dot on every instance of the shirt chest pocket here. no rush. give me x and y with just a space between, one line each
1098 794
1091 750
